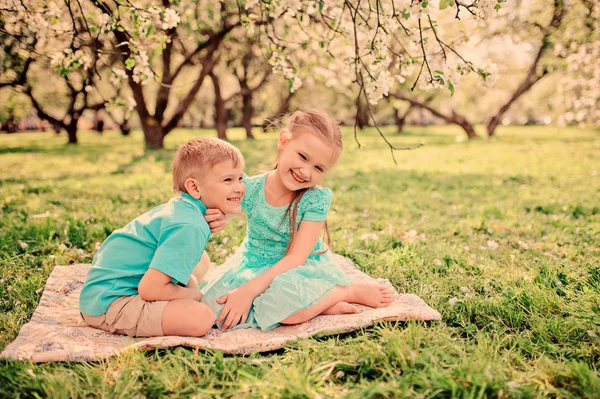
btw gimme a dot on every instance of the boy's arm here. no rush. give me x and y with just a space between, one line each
179 249
157 286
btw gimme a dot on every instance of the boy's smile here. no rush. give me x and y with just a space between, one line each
222 187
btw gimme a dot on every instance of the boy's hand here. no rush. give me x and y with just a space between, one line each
215 219
237 305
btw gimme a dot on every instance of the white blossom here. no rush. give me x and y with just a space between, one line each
303 45
131 103
171 19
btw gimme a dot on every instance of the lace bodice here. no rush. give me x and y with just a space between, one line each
268 234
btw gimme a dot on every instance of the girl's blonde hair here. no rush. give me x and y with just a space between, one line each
326 128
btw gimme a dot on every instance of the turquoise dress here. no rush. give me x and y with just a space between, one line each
266 241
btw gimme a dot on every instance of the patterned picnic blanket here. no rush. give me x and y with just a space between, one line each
56 331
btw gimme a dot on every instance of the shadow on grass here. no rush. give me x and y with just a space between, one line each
127 167
66 149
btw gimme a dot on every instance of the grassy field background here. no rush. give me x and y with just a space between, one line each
501 236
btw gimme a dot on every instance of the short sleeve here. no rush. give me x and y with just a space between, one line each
252 189
179 250
315 204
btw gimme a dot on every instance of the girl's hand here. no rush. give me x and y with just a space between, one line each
237 305
215 219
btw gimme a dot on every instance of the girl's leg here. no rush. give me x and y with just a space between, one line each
337 294
370 294
341 308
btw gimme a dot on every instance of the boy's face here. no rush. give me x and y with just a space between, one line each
222 187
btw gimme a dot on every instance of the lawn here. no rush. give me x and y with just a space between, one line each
502 236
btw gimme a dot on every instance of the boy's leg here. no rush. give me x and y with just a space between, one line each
135 317
132 316
187 317
202 267
370 294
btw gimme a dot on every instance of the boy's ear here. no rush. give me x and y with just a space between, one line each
284 137
192 187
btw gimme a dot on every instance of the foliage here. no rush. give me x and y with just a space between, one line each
500 236
147 44
581 48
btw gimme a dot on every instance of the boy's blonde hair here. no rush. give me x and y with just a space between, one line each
197 155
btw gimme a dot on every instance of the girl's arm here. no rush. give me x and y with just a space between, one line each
302 246
237 302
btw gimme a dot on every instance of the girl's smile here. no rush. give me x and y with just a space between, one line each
297 177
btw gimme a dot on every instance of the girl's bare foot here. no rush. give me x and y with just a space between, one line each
341 308
370 294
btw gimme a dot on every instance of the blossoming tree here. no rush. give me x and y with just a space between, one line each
146 45
29 49
579 46
542 30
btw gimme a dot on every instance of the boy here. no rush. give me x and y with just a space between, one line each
141 282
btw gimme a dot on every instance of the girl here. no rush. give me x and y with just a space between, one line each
282 272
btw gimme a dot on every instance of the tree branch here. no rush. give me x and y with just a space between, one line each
41 113
208 62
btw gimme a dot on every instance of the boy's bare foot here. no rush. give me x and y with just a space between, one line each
370 294
341 308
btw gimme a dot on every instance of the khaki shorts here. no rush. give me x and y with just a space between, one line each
130 315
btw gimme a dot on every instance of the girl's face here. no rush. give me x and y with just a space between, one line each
303 159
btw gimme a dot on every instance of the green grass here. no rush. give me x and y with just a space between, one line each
502 236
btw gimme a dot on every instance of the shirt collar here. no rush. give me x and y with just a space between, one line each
196 202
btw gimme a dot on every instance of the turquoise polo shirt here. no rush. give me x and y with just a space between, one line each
169 238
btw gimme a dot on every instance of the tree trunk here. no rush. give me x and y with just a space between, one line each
533 76
284 108
493 124
465 124
362 114
220 111
72 132
153 133
10 126
400 119
247 114
125 129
